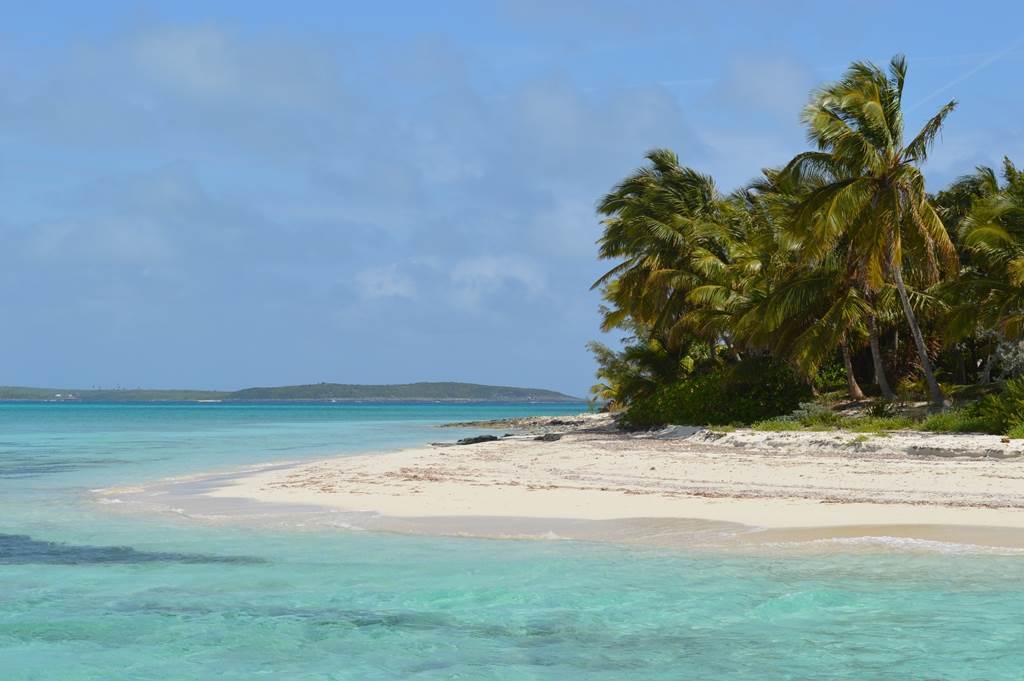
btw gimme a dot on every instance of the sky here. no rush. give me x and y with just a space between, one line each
221 195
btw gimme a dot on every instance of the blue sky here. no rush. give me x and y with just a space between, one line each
270 193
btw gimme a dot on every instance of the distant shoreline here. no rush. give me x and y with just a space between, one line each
444 391
339 400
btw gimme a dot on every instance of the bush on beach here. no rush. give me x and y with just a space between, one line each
999 413
766 395
817 417
752 390
964 420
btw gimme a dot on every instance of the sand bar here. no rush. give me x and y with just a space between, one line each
777 481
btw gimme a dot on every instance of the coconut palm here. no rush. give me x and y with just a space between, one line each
872 193
798 311
663 224
639 368
989 295
965 320
806 315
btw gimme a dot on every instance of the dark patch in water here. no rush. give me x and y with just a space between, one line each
31 468
538 636
20 549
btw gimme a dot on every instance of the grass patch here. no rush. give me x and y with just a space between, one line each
878 424
814 417
966 420
777 425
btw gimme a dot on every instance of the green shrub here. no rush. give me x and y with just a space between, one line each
881 409
999 413
751 390
830 376
1005 410
965 420
808 416
878 424
776 425
813 415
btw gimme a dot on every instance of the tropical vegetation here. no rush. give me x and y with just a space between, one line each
835 270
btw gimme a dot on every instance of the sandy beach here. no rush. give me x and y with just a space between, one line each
783 482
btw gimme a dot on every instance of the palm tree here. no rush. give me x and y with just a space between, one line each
872 193
795 311
663 224
989 294
639 368
806 315
965 318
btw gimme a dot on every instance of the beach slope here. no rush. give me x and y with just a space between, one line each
585 469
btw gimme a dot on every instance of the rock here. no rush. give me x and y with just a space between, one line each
477 439
548 437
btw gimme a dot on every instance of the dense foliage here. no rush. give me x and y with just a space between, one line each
744 392
837 264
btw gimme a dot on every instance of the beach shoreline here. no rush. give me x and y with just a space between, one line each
580 478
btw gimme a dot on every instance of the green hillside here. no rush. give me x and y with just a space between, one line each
318 392
404 391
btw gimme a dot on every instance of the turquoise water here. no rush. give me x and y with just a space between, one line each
89 594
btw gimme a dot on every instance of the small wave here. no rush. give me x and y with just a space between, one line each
517 536
910 544
340 524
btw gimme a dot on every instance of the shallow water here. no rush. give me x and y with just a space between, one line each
90 594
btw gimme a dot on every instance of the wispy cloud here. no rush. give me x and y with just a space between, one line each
984 63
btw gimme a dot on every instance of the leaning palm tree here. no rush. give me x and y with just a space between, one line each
872 193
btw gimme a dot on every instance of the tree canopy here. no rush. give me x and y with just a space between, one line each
837 263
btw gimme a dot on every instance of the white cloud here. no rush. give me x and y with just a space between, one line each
207 62
385 282
776 85
475 278
114 239
197 60
569 227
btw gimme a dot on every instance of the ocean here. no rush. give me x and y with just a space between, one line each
87 592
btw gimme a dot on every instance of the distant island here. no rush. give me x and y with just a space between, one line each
317 392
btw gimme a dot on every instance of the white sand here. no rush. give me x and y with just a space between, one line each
768 480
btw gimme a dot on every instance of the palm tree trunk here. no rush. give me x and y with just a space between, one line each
937 399
876 359
851 381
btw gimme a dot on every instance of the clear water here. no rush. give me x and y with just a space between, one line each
86 594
